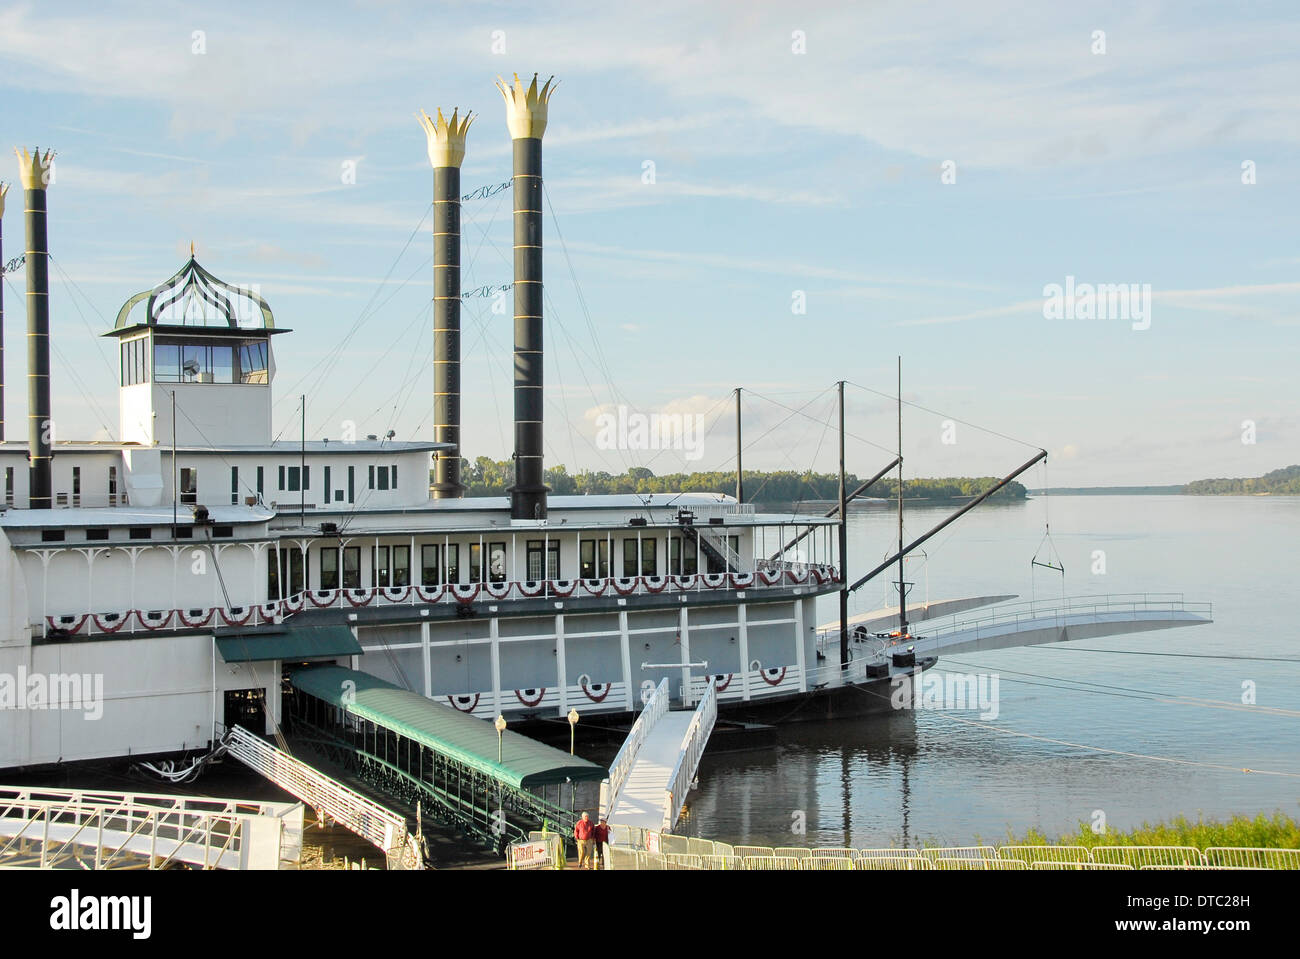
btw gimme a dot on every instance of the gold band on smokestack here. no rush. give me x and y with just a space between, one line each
34 171
446 141
526 117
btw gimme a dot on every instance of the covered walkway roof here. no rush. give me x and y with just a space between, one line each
456 735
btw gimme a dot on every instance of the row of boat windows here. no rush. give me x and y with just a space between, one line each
136 533
340 567
194 361
73 497
295 479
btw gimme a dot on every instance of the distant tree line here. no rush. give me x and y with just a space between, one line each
1280 482
487 477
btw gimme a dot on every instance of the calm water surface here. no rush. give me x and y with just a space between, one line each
923 776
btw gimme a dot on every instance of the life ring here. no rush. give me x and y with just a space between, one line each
455 700
519 695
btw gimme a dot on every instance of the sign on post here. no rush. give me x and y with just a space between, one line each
530 855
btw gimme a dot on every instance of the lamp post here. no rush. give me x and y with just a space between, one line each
573 728
501 728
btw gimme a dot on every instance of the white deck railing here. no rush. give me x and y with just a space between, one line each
1060 612
148 620
53 828
621 767
688 763
351 810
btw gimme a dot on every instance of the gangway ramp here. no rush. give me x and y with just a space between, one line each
648 785
45 828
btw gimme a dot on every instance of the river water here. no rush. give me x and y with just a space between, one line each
952 777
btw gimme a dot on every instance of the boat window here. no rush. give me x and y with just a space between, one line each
329 568
430 574
352 567
497 562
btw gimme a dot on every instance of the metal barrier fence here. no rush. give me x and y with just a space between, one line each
665 851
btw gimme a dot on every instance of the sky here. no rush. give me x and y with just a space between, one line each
772 196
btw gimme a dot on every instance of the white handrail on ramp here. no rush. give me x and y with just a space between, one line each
373 822
655 709
688 763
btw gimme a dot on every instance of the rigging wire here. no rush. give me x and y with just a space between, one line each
893 397
326 367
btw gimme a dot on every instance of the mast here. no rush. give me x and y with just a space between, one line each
844 548
302 467
740 482
175 481
902 587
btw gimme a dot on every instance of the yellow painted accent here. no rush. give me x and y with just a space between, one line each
33 169
446 138
526 109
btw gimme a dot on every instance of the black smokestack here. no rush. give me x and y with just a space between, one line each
446 151
526 117
34 171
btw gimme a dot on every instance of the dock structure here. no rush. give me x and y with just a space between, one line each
653 773
79 829
491 783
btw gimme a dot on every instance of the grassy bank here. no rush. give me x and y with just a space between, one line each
1278 831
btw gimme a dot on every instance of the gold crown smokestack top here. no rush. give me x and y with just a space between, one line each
4 189
526 118
446 141
34 172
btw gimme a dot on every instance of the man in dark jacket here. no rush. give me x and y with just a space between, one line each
584 832
600 835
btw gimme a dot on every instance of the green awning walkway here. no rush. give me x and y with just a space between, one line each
287 644
459 737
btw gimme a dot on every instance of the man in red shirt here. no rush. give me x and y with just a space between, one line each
600 835
584 832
